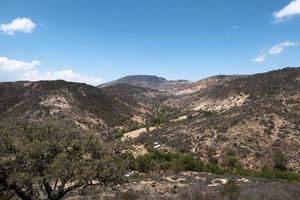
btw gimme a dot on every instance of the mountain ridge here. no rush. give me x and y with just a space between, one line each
147 81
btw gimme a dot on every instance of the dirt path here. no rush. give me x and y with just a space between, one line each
184 117
136 133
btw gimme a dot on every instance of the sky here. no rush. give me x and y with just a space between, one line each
96 41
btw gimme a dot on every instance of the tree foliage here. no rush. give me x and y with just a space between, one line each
48 160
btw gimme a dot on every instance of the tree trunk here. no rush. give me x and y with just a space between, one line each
21 194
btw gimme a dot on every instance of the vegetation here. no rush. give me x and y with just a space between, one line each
177 161
211 152
207 113
231 161
159 115
279 161
157 160
49 160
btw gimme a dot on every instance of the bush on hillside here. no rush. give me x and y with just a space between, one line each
157 160
279 160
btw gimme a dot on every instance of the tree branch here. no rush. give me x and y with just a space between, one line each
64 191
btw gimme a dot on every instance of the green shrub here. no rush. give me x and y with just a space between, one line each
231 161
157 160
267 172
215 169
178 161
211 152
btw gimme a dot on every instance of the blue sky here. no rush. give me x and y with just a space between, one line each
93 41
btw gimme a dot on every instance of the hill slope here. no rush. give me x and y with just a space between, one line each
80 104
255 117
140 99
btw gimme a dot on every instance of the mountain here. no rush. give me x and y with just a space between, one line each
81 104
254 117
147 81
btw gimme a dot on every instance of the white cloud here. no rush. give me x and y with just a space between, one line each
281 46
15 65
260 58
274 50
24 25
20 70
67 75
293 8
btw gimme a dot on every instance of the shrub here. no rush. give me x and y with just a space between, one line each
231 160
279 161
215 169
267 172
211 152
177 161
168 161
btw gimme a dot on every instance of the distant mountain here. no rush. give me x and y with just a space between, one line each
147 81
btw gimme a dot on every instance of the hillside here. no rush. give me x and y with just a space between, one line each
202 84
140 99
255 118
147 81
81 104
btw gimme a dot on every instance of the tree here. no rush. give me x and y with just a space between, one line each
158 115
49 160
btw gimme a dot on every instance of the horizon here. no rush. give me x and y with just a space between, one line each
97 41
158 76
